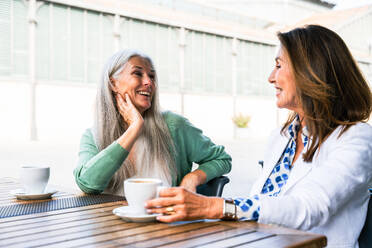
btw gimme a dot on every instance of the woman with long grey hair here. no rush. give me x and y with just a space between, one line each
131 137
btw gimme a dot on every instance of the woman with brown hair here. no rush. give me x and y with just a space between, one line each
318 165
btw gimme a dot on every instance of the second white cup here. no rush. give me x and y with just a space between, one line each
34 178
139 190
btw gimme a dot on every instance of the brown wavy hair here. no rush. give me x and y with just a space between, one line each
330 86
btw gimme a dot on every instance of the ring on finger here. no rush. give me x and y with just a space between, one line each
169 210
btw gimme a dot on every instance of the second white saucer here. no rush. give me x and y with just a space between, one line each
126 214
20 194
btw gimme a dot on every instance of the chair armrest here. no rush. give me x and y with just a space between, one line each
214 187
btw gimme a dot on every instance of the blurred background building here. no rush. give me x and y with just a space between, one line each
213 57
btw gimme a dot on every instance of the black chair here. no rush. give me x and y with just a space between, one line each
214 187
365 238
261 162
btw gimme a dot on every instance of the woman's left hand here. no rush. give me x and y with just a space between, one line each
178 204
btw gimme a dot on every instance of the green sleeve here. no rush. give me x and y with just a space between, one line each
95 169
198 148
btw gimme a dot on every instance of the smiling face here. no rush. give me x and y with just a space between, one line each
283 80
137 79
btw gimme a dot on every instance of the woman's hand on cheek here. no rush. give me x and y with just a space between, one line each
176 204
128 111
132 118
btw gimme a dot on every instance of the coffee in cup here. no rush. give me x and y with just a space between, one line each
139 190
34 178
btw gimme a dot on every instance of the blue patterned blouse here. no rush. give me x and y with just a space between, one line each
249 208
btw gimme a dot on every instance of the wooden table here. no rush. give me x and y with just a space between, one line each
97 226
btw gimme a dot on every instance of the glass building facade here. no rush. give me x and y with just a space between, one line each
71 45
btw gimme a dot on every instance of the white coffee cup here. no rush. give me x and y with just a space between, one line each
34 178
139 190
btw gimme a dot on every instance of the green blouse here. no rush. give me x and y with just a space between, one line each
96 168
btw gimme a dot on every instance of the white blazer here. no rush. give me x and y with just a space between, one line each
327 196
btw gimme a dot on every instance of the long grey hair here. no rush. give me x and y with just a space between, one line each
153 148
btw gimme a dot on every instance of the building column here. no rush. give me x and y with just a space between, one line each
234 54
116 33
32 8
182 46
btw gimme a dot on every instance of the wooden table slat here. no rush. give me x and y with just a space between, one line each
69 223
171 230
286 241
238 240
136 235
94 238
191 234
198 241
56 236
55 219
43 233
22 218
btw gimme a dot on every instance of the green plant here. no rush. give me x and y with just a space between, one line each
241 120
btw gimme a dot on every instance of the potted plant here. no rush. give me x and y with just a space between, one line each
241 123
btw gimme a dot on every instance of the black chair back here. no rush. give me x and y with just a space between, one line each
365 238
261 162
214 187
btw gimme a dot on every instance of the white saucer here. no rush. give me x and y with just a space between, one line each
20 194
127 214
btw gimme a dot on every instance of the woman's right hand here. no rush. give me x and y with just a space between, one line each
178 204
128 111
133 118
